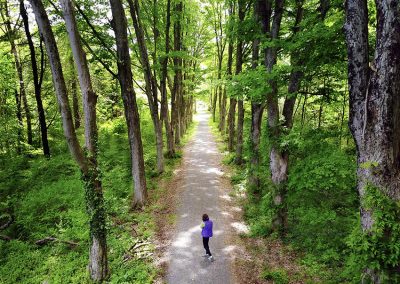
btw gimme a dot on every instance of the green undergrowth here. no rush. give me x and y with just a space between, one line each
46 198
278 276
321 200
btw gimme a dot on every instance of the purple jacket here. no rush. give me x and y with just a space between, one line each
207 231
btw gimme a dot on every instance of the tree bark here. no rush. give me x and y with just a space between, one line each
75 101
375 106
176 99
18 65
36 82
254 176
231 124
75 104
59 83
257 109
163 83
278 159
239 62
222 115
98 266
88 165
119 24
20 122
150 82
214 103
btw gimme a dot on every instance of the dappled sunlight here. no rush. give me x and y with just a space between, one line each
229 249
240 227
225 197
214 171
201 193
183 239
226 214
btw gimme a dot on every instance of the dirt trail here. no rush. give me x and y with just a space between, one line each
201 191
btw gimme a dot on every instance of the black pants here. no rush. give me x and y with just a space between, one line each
206 247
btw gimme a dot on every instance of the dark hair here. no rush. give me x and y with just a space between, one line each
205 217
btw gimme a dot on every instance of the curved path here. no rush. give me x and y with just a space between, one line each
201 192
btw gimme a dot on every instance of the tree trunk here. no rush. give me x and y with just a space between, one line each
222 121
59 83
375 115
177 88
98 266
254 176
239 62
214 104
28 115
239 141
151 84
36 82
75 104
231 124
129 98
163 82
256 118
75 100
20 123
222 115
278 159
88 165
18 66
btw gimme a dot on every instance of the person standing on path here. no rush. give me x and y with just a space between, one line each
207 233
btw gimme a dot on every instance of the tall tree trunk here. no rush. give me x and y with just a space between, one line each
222 115
75 104
222 122
239 62
36 82
278 159
231 124
18 65
214 103
98 266
323 7
28 115
59 83
256 118
88 165
20 122
177 88
151 84
163 84
375 118
75 100
119 24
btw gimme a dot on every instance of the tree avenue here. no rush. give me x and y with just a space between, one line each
98 99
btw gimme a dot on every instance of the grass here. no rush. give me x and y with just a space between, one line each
47 199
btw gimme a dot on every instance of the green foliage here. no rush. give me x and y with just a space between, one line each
249 84
378 248
322 202
278 276
47 198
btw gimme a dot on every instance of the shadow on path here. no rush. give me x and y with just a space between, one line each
201 193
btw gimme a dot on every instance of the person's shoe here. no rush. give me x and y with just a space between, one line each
211 258
206 255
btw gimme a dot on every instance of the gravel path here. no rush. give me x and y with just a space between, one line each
201 192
